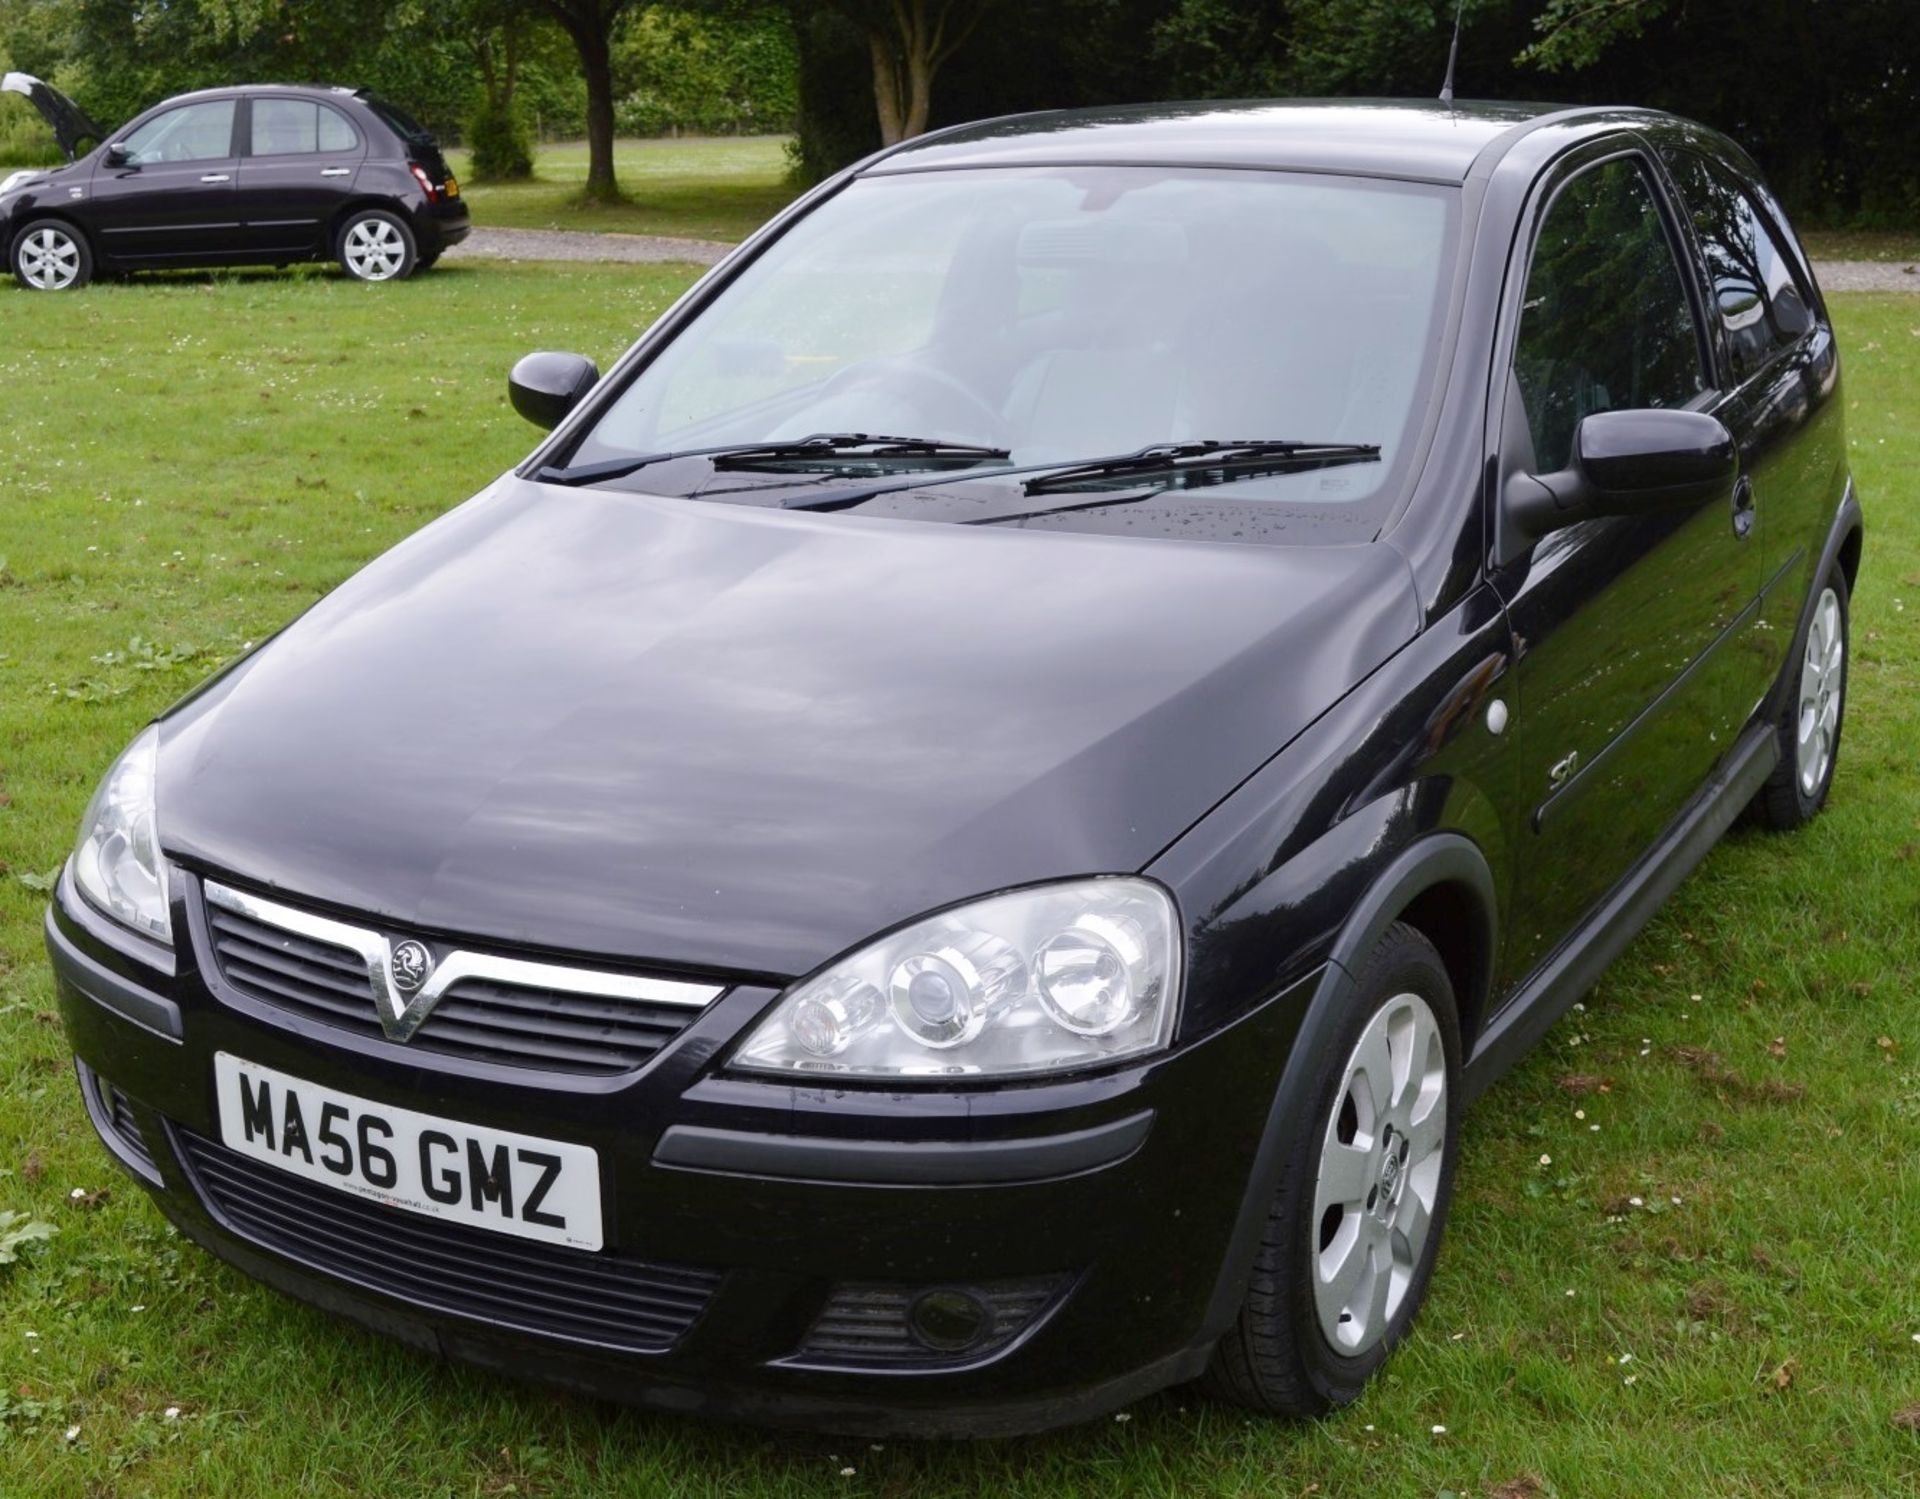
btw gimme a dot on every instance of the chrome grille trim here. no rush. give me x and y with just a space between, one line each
374 950
516 1012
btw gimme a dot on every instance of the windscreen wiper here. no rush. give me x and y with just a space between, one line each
1193 463
1241 459
745 455
829 446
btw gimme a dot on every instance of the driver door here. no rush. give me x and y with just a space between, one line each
173 199
1637 665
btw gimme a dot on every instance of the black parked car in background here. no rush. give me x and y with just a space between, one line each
961 834
260 175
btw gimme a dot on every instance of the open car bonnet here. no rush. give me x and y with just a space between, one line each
70 123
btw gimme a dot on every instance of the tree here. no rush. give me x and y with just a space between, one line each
590 24
908 41
496 34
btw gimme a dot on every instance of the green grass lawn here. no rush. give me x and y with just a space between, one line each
692 188
1693 1273
1902 245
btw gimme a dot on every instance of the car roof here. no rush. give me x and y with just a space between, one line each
234 90
1424 140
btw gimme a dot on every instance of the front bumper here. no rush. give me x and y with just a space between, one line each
1093 1216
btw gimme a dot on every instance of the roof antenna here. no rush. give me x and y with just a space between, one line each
1453 55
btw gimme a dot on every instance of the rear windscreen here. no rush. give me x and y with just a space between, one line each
399 121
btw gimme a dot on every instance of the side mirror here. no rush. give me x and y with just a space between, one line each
1629 463
545 387
119 154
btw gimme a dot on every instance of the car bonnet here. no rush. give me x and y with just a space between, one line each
727 737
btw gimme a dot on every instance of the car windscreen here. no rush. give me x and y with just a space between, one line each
1073 312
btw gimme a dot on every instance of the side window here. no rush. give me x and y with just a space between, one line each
1606 325
193 132
1760 303
290 127
335 133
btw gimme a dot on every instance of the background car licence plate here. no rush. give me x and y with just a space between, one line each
469 1173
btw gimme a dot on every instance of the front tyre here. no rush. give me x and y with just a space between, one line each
1809 723
377 246
1356 1222
51 255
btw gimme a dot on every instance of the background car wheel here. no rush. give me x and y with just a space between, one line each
1809 724
376 246
49 255
1356 1222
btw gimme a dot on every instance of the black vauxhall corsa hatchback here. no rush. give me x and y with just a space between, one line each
262 175
960 836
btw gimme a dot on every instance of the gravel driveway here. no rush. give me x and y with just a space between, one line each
1867 275
572 244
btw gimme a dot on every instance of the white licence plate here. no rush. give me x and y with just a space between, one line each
466 1173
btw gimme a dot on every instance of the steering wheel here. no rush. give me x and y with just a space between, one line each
934 392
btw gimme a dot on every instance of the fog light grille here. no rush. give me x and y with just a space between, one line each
875 1326
112 1114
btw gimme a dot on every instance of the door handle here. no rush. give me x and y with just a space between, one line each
336 171
217 177
1743 513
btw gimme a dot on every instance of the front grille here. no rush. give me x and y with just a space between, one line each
311 978
481 1019
547 1289
870 1326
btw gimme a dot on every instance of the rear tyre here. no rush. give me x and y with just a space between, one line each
51 255
377 246
1355 1224
1809 724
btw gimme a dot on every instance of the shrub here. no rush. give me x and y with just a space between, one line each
502 149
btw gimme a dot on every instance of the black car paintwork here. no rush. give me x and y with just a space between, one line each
240 209
785 742
1338 772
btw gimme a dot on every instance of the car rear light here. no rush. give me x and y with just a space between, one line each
426 183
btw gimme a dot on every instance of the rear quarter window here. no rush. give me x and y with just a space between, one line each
1751 280
289 127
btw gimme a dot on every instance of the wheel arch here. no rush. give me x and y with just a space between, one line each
59 215
1845 542
1441 884
1455 915
1848 555
365 202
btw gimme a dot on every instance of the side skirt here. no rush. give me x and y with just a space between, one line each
1617 920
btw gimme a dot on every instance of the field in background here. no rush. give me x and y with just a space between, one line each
722 188
725 188
1682 1260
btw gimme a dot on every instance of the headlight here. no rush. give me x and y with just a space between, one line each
1062 976
117 864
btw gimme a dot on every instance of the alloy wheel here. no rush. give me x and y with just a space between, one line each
49 260
374 250
1379 1174
1822 681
